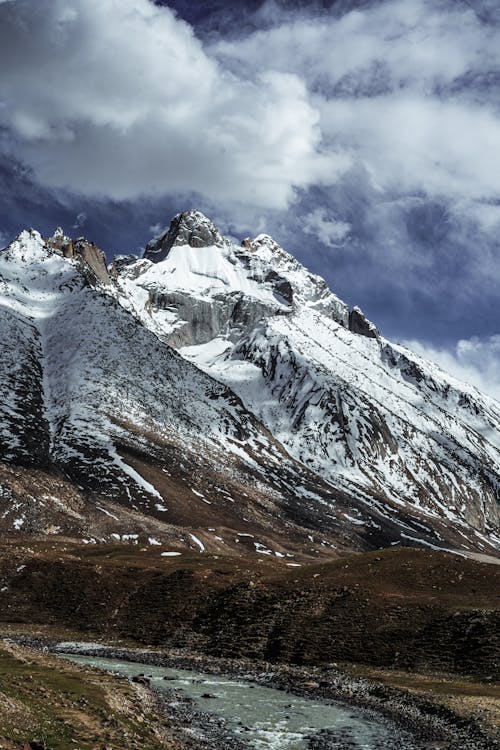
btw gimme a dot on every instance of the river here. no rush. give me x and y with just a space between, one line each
261 717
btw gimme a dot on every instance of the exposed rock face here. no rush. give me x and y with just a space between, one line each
201 320
281 286
359 323
188 228
93 259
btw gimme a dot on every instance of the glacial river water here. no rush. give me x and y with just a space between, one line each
264 718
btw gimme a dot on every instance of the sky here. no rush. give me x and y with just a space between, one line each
364 136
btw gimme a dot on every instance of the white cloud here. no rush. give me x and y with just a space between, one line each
120 98
327 230
80 220
401 86
475 361
446 148
415 44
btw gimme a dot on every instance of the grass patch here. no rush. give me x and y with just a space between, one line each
67 706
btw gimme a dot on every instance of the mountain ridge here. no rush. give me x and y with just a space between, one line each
310 385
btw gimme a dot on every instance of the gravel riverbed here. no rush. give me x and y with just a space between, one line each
415 721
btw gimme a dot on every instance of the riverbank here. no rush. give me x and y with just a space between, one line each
47 703
419 720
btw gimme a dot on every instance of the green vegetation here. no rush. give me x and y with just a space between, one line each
64 706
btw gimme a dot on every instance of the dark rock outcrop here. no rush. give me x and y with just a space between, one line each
359 323
281 286
188 228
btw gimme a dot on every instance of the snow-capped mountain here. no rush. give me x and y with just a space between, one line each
283 424
107 433
378 422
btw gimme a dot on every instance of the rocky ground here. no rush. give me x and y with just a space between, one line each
49 704
410 634
418 719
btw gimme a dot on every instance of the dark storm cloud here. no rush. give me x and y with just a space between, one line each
364 135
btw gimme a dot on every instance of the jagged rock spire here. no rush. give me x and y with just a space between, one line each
187 228
92 258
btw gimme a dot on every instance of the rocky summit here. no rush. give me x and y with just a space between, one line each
219 397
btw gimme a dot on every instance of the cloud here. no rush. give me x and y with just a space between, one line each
80 220
329 231
475 361
412 143
370 126
409 88
125 101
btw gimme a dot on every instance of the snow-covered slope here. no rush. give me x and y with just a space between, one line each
284 423
90 395
386 428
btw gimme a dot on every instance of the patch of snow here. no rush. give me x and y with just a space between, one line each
261 549
107 513
418 540
130 538
355 521
133 474
197 541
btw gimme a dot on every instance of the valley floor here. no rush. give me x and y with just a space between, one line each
47 703
411 634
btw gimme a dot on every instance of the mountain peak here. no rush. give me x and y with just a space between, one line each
28 246
187 228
